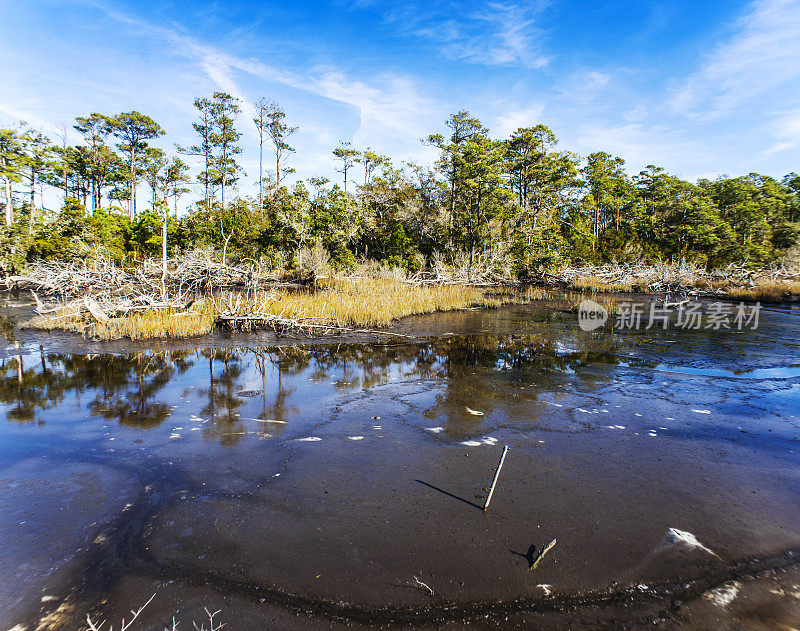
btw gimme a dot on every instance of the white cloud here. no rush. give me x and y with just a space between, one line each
392 112
498 34
786 131
641 145
763 54
514 118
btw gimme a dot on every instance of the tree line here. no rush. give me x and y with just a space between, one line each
517 204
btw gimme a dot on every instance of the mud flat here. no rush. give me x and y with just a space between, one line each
341 485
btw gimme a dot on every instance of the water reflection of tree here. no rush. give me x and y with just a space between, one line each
124 386
478 370
25 390
125 392
505 374
287 362
224 424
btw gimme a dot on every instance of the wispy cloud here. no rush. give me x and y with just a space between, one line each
392 112
497 33
786 131
762 54
515 117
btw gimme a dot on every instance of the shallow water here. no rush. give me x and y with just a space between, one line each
313 485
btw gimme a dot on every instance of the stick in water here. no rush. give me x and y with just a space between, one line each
496 475
540 556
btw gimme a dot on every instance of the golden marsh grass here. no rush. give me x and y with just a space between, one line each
368 302
136 326
768 291
593 284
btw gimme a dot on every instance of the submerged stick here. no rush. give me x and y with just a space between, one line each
540 556
496 475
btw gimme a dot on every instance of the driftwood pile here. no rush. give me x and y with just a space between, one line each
685 279
194 272
99 288
96 290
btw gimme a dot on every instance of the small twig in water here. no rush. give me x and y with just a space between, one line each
540 556
124 625
212 625
425 585
496 476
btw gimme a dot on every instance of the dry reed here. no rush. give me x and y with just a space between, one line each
363 302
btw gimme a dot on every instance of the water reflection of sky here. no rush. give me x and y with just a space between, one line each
693 414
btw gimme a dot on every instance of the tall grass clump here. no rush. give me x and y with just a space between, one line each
771 291
369 302
161 323
348 302
593 284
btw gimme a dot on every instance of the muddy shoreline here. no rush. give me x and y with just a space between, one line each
310 486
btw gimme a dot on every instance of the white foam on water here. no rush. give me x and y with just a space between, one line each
546 587
582 410
723 595
18 627
652 434
702 411
195 429
637 414
174 435
310 439
668 418
49 599
471 443
435 430
377 427
662 428
558 405
675 536
355 438
488 440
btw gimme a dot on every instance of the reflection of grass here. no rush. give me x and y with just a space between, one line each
347 302
769 291
610 304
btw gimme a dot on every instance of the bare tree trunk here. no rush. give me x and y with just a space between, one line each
224 174
132 201
9 203
260 169
164 241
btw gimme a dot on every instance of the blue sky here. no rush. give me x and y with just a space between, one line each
700 88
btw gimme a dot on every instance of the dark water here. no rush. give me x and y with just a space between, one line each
313 485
